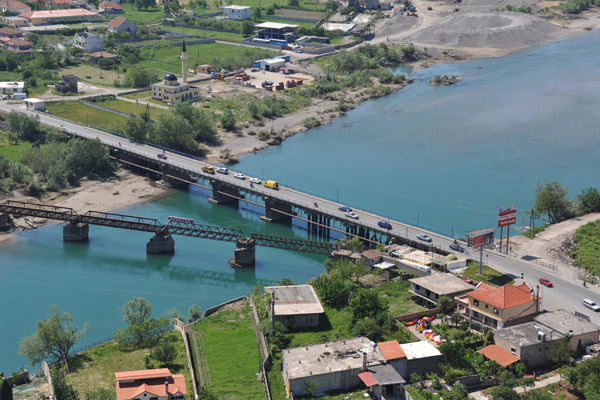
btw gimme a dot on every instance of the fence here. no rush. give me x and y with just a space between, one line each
415 315
110 110
263 349
207 28
180 326
216 308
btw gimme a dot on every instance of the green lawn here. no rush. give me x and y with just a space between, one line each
586 252
11 151
489 275
264 4
152 15
398 297
132 108
76 111
232 353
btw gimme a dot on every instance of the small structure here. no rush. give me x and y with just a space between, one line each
88 42
428 289
383 381
14 6
392 353
186 13
204 69
18 45
35 104
12 87
295 306
371 257
238 13
343 254
579 330
15 22
11 33
120 25
498 354
48 17
60 4
421 357
110 7
159 384
67 85
95 57
272 64
387 268
532 342
276 30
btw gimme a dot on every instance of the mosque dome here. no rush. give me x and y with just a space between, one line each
170 78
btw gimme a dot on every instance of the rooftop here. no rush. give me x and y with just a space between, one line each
328 357
384 265
566 323
142 374
391 350
442 283
498 354
381 374
102 54
422 349
295 300
527 334
371 254
74 12
116 22
275 25
234 7
505 296
110 4
129 389
11 31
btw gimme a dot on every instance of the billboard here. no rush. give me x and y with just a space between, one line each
507 217
480 238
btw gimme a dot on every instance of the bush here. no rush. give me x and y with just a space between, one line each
311 122
264 135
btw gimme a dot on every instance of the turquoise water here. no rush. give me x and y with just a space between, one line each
446 157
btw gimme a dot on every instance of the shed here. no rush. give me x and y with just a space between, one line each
384 381
421 357
272 64
371 257
295 305
35 104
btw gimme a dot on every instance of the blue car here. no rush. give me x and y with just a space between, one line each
344 209
384 224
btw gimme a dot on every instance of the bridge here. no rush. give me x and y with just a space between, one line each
76 228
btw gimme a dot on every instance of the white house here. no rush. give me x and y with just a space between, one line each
88 42
34 104
12 87
121 25
238 13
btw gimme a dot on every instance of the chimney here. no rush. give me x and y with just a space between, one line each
364 363
167 387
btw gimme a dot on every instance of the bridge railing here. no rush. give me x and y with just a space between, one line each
123 217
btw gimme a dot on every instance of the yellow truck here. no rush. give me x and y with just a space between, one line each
272 184
209 170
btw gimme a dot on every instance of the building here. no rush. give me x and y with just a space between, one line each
60 4
10 33
15 22
421 357
49 17
428 289
12 87
498 307
296 306
121 25
391 353
18 45
110 7
88 42
98 55
14 6
580 331
67 85
171 90
371 257
383 381
271 64
339 254
238 13
496 353
35 104
158 384
276 30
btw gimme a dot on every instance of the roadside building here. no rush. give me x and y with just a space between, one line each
88 42
34 104
421 357
580 331
60 4
343 254
496 353
238 13
14 6
12 87
18 45
11 33
170 90
371 257
428 289
157 384
110 7
532 342
48 17
276 30
67 85
272 64
296 306
15 22
95 57
121 25
204 69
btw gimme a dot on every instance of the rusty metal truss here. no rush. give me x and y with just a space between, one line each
295 244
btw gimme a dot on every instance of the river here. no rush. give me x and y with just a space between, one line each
445 157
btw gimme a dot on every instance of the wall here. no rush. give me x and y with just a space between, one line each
180 326
415 315
344 380
263 349
212 310
423 366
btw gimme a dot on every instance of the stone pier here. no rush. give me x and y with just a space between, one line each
244 253
221 193
272 208
75 232
161 243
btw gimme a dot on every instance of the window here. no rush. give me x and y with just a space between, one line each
540 349
496 311
513 350
476 303
486 306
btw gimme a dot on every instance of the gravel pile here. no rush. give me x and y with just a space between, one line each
489 5
500 30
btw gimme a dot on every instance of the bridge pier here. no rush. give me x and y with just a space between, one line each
75 232
272 208
221 193
170 176
161 243
244 254
4 222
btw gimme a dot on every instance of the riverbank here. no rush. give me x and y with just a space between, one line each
126 189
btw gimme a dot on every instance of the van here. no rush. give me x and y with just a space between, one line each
425 268
19 96
591 305
272 184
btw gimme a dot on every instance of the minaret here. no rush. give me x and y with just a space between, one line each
183 63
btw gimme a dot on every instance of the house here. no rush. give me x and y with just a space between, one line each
15 22
88 42
421 357
496 353
18 45
110 7
60 4
387 268
48 17
532 342
371 257
96 56
295 305
391 353
12 87
204 69
11 33
340 254
276 30
238 13
121 25
67 85
34 104
14 6
428 289
383 381
581 331
498 307
157 384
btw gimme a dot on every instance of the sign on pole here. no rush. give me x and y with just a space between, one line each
480 238
507 217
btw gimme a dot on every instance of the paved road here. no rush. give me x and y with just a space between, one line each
567 292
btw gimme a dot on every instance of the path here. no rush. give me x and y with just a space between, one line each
480 394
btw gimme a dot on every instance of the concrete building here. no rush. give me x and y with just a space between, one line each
421 357
532 342
383 381
170 90
157 384
88 42
238 13
578 329
35 104
296 306
272 64
95 57
121 25
60 4
48 17
12 87
391 353
110 7
428 289
371 257
15 22
276 30
14 6
67 85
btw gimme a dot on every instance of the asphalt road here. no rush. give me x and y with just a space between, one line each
567 293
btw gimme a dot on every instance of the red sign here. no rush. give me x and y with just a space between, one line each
480 238
478 241
507 217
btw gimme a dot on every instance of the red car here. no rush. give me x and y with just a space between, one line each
161 156
545 282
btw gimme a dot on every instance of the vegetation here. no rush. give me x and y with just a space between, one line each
488 275
586 252
141 331
577 6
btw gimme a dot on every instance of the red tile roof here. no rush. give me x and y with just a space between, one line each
131 384
498 354
391 350
116 22
11 32
110 4
503 297
16 5
74 12
367 379
485 286
142 374
18 42
102 54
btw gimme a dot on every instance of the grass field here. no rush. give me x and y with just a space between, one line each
95 368
152 15
398 297
76 111
11 151
232 353
586 253
132 108
488 275
91 74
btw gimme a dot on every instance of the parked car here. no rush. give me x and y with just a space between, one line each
545 282
352 215
223 170
424 237
208 170
255 180
457 247
591 305
344 209
384 224
161 156
4 97
240 176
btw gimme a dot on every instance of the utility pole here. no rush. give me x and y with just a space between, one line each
537 299
481 260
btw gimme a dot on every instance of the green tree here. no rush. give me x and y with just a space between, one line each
354 244
366 304
202 124
504 393
228 120
175 313
205 393
589 200
137 129
458 392
455 355
100 394
88 157
136 311
62 390
293 3
164 352
138 77
194 313
333 289
25 126
310 387
445 303
285 282
561 354
54 338
551 199
6 390
174 132
247 28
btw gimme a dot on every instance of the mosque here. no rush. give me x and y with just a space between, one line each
170 90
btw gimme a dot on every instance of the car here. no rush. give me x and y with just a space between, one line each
580 315
352 215
240 176
545 282
457 247
424 237
345 209
591 305
4 97
223 170
384 224
161 156
255 180
208 170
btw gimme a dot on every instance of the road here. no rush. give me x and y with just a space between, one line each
567 292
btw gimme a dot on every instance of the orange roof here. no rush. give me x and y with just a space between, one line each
110 4
485 286
367 379
498 354
116 22
142 374
131 384
503 297
102 54
391 350
74 12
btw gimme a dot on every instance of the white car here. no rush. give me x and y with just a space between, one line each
352 215
240 176
223 170
255 180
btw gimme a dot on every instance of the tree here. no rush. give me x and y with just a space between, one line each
455 354
444 302
194 313
144 334
6 390
247 28
551 199
228 120
62 390
561 353
458 392
174 132
285 282
455 319
310 387
25 126
201 122
589 200
88 156
366 304
205 393
138 77
136 311
504 393
54 338
333 289
164 352
137 129
293 3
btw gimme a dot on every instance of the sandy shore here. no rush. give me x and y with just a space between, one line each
125 190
